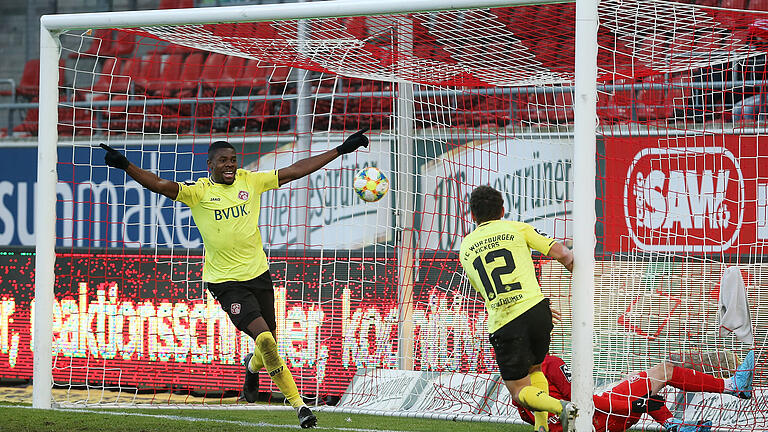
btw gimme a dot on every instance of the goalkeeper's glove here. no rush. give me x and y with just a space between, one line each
353 142
114 158
647 404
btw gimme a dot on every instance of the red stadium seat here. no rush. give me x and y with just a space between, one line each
501 109
100 44
652 102
178 79
760 5
680 94
117 77
165 79
30 79
75 120
224 77
283 113
175 49
148 72
116 115
560 107
731 19
176 4
29 85
346 112
71 120
107 42
259 113
254 75
616 106
109 79
188 83
176 115
121 117
270 115
466 113
232 72
357 26
323 111
210 77
734 4
132 67
167 117
278 78
212 69
30 124
123 45
534 109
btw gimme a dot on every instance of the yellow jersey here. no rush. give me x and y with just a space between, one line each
496 257
228 219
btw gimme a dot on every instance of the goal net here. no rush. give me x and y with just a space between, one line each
374 312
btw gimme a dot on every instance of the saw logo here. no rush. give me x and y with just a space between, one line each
684 199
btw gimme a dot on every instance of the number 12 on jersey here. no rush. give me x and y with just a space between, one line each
493 285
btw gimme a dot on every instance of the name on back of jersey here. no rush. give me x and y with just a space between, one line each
490 243
503 301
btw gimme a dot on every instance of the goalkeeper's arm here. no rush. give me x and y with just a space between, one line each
145 178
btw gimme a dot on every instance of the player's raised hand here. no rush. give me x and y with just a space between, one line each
353 142
114 158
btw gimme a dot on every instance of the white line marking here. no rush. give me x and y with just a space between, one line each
198 419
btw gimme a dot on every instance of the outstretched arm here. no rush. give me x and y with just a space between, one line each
311 164
149 180
562 254
305 166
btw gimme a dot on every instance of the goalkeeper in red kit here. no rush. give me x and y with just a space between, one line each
619 408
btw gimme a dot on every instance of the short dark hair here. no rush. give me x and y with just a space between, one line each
216 146
486 203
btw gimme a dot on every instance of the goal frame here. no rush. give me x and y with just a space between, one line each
584 239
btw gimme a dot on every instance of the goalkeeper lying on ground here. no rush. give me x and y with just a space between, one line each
621 407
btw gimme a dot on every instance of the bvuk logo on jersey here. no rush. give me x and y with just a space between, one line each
235 308
243 195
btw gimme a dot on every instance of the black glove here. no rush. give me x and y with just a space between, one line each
114 158
656 402
647 404
353 142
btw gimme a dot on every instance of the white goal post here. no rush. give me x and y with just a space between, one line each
47 141
629 130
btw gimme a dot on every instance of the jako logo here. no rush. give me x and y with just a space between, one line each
684 199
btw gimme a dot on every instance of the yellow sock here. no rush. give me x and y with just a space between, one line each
257 362
536 400
277 369
539 381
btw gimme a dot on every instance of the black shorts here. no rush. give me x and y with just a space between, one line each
523 342
244 301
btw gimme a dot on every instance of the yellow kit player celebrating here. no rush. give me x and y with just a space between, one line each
496 257
225 207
